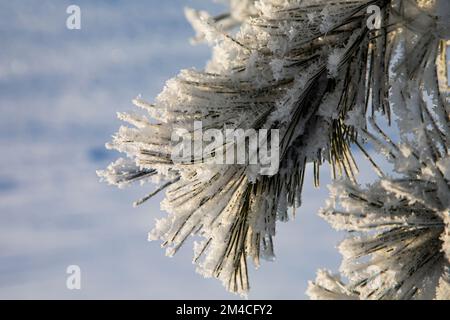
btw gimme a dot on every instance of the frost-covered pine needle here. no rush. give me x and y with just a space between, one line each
398 244
309 69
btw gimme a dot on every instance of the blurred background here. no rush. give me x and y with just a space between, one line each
60 90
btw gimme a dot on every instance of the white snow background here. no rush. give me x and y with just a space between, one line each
60 90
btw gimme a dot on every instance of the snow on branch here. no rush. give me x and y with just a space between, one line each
308 69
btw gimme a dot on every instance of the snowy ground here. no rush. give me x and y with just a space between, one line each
59 92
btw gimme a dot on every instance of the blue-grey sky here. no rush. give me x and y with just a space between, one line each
60 90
